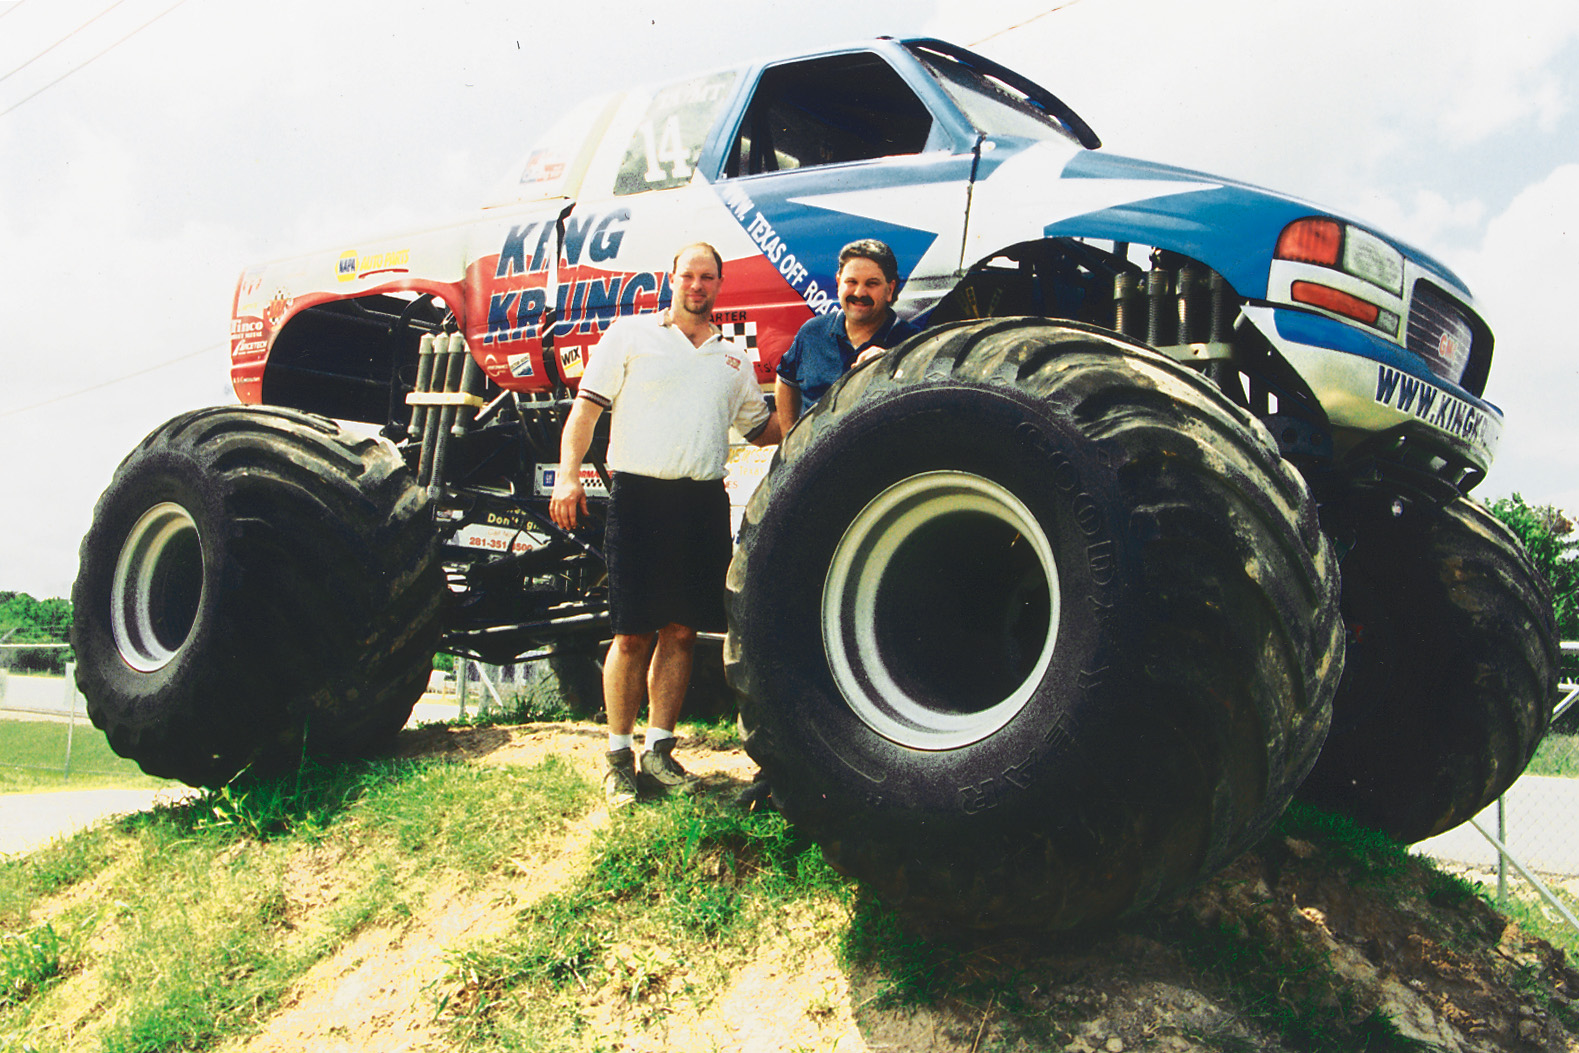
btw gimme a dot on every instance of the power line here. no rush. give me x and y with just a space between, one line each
96 57
112 381
13 7
1006 29
62 40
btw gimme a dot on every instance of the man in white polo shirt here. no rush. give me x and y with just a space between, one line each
675 387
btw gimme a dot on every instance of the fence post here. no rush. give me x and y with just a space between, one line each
460 687
1502 859
71 715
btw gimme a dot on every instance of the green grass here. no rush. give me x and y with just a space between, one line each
189 908
34 753
1558 754
675 893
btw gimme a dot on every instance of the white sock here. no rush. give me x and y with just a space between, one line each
657 735
620 742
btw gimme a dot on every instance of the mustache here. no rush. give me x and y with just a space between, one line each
864 301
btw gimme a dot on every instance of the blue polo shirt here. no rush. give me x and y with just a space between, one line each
821 353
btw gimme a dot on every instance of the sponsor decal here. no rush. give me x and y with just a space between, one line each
279 303
247 337
777 252
352 266
738 331
590 480
1425 401
520 365
572 361
544 166
486 538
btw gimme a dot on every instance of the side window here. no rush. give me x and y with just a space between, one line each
669 138
828 111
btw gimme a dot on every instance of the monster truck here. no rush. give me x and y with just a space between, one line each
1042 615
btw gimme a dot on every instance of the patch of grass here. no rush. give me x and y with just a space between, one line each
911 969
196 932
1534 915
720 734
59 865
29 960
673 892
1292 990
1372 854
34 753
1558 754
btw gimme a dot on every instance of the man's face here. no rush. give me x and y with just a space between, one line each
696 281
863 291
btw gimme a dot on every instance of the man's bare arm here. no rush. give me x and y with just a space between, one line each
786 402
569 500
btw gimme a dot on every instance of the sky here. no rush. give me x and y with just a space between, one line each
150 149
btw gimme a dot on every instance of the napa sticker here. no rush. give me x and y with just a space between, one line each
353 265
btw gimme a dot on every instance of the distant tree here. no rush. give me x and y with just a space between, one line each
28 620
1549 537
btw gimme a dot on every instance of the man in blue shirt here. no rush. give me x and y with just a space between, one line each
830 344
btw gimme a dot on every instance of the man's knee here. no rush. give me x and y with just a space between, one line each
631 645
678 635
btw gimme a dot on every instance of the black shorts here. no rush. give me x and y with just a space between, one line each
668 548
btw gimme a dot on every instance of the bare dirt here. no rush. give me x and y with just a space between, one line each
1447 971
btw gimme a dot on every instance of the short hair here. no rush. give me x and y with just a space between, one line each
876 251
674 266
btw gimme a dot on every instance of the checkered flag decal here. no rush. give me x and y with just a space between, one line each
744 335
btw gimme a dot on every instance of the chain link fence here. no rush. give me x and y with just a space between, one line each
44 727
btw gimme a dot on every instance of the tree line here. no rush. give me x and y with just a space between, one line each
24 620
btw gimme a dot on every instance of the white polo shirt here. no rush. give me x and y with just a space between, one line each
672 403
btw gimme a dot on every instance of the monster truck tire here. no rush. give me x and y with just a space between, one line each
256 584
1451 670
576 677
1031 626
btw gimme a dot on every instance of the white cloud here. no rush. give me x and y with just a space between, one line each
1527 276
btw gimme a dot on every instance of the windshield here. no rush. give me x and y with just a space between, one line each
992 106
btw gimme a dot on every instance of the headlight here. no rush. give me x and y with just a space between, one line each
1332 244
1343 247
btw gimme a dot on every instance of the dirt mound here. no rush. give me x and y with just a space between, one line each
1354 954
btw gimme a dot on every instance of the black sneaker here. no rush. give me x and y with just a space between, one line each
619 778
661 773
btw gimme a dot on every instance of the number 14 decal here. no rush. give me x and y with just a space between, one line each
668 149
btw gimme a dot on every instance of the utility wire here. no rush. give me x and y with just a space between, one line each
112 381
100 55
1007 29
13 7
62 40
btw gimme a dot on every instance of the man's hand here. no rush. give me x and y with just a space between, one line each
867 355
569 500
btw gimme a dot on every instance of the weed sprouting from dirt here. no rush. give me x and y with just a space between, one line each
29 961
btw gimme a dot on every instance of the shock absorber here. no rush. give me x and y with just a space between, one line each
1129 316
419 413
1194 304
449 408
1162 315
